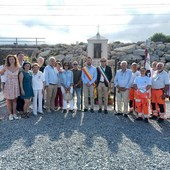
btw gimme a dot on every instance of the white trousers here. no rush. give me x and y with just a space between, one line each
65 103
38 95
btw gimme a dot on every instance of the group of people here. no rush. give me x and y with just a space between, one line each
143 93
55 86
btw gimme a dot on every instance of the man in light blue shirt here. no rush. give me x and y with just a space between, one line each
122 84
89 76
51 81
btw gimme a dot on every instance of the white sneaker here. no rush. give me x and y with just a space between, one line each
11 117
41 113
15 117
35 114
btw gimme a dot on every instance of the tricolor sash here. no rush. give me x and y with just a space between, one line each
103 74
87 73
90 78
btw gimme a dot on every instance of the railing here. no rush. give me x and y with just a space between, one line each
21 41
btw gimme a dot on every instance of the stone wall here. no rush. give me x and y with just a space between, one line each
131 52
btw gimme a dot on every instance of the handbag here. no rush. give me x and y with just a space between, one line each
67 96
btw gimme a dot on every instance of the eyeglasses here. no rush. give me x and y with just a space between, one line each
103 61
75 64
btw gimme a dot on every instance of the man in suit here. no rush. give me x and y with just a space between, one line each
104 76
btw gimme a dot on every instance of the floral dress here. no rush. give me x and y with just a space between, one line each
11 89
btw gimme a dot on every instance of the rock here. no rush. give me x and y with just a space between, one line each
143 45
167 47
130 57
83 47
114 57
168 52
160 53
167 66
162 59
117 53
35 53
138 52
84 53
160 47
139 43
126 49
44 54
64 52
79 51
113 53
167 57
69 58
154 57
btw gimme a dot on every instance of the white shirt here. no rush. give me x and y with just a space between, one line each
159 80
142 82
101 77
37 80
134 75
3 76
152 72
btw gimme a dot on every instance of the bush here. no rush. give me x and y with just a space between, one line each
168 38
158 37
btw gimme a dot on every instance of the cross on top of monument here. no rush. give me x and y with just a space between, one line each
98 29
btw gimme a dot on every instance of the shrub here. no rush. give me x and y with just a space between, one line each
158 37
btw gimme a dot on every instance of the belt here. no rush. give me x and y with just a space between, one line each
101 81
52 84
158 89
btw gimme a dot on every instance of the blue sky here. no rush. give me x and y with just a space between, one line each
69 21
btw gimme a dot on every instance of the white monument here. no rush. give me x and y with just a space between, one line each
97 47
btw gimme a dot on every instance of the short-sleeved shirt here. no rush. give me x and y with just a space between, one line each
142 82
159 80
37 80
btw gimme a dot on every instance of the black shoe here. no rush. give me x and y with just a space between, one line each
125 115
85 110
100 110
105 112
117 114
160 120
64 111
91 110
130 112
146 120
139 119
153 117
72 111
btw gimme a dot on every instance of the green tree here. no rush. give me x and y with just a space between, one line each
158 37
168 38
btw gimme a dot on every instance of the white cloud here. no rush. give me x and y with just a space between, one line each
78 20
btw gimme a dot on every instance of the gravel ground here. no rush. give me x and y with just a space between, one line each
89 141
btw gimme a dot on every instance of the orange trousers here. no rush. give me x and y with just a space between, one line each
142 103
132 96
158 104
